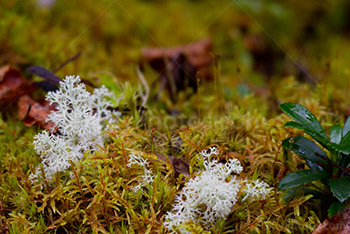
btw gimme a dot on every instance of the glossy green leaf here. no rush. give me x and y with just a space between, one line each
298 178
344 145
344 161
305 148
335 208
306 121
336 134
340 187
317 167
346 128
293 124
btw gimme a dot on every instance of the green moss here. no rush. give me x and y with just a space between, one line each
238 112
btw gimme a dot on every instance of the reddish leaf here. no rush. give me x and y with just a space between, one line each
3 71
13 85
198 55
32 112
179 66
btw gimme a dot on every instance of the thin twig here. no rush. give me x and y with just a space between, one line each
67 61
333 163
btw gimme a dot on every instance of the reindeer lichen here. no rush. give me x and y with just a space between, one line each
79 119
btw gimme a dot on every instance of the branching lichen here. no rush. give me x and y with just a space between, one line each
79 120
212 194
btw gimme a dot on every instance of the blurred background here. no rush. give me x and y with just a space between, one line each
265 47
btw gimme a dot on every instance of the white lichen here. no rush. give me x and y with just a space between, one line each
212 194
79 118
147 177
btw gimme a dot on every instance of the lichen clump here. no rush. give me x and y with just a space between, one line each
212 194
79 120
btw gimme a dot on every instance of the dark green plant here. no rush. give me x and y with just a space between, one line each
333 170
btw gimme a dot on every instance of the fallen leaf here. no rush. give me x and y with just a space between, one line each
3 71
13 85
178 66
50 79
338 224
198 55
180 167
33 112
44 73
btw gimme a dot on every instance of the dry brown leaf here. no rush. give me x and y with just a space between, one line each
13 85
180 167
32 112
3 70
197 54
338 224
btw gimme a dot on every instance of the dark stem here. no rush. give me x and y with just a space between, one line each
333 163
67 61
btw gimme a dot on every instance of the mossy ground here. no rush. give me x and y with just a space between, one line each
95 196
